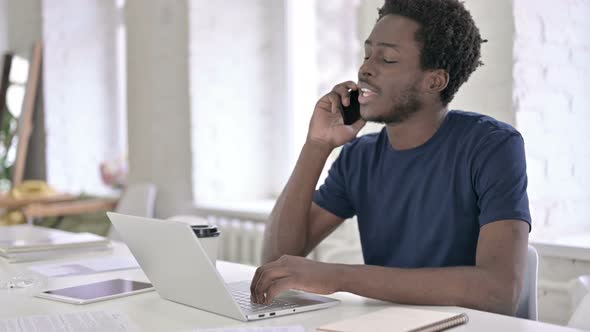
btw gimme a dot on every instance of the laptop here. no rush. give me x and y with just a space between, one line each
175 262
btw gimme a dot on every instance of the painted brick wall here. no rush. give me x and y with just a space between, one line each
489 89
81 92
552 106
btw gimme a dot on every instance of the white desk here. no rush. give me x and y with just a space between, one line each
151 313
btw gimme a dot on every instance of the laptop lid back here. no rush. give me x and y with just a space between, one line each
176 264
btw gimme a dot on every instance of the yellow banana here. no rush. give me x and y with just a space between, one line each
31 189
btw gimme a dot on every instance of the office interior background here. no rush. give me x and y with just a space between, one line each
210 102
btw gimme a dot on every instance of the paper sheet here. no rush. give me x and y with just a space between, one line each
255 329
87 266
87 321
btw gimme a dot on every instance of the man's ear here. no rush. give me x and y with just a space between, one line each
437 81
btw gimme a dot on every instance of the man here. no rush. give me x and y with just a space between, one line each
440 195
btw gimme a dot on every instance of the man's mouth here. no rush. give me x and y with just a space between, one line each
366 95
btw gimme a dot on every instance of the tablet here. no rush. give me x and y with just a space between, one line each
98 291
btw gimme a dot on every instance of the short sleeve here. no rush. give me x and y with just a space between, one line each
333 194
500 179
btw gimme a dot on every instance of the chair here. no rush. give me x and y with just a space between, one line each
580 290
137 200
189 219
527 304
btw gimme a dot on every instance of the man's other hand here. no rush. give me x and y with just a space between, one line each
293 272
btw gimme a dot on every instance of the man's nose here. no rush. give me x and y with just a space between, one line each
367 69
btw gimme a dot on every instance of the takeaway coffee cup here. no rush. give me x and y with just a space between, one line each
209 238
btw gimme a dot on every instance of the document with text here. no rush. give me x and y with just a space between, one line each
87 266
83 321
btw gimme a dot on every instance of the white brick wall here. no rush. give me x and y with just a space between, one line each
489 89
552 106
81 92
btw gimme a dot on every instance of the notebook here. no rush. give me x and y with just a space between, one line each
21 243
27 238
31 256
398 319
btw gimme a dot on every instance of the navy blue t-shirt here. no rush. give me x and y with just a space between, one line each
423 207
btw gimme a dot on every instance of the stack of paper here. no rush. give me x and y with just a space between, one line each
27 243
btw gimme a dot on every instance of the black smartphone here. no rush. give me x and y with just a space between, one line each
351 113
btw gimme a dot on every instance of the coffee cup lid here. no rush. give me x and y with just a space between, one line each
205 230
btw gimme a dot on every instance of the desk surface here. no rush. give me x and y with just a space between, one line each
151 313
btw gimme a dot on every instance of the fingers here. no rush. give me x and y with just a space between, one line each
259 271
277 287
335 102
339 96
358 125
348 132
342 91
267 277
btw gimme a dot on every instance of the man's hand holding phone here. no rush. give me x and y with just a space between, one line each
327 126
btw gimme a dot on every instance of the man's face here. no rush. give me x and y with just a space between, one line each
390 77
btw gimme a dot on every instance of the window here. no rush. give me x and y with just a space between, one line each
17 75
84 92
252 98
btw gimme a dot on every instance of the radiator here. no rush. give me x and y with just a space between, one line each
240 241
242 231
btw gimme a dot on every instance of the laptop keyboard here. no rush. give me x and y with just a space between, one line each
242 297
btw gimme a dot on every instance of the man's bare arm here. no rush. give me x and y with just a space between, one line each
296 225
493 284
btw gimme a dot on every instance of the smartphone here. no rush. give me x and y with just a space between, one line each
98 291
351 113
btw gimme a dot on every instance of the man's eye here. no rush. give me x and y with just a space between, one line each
389 61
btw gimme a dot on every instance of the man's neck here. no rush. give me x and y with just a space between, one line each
416 130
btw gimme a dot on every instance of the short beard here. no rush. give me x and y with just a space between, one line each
409 104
